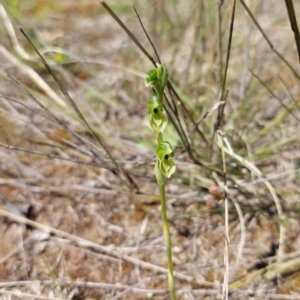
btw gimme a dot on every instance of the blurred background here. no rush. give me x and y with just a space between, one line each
99 185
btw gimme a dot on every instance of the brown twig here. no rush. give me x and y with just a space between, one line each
147 35
130 34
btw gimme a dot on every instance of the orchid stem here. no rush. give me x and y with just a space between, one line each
167 241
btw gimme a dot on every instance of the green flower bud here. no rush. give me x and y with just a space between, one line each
158 120
151 78
158 79
162 75
164 152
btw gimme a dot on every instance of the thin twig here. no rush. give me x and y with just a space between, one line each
147 35
59 122
124 27
220 43
224 91
52 156
294 25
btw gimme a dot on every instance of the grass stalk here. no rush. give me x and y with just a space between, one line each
227 239
282 218
294 24
218 128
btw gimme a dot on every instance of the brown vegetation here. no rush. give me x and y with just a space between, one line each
93 227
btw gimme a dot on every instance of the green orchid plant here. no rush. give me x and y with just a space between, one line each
165 166
158 79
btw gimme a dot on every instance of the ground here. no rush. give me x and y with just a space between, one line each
87 185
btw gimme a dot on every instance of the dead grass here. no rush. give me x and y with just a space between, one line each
103 240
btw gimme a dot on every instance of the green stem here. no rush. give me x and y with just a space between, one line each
167 241
159 138
163 167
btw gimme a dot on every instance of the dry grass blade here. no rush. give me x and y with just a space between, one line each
226 225
281 216
294 24
148 37
208 113
125 28
220 41
217 128
223 92
34 76
224 77
270 272
187 113
10 30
